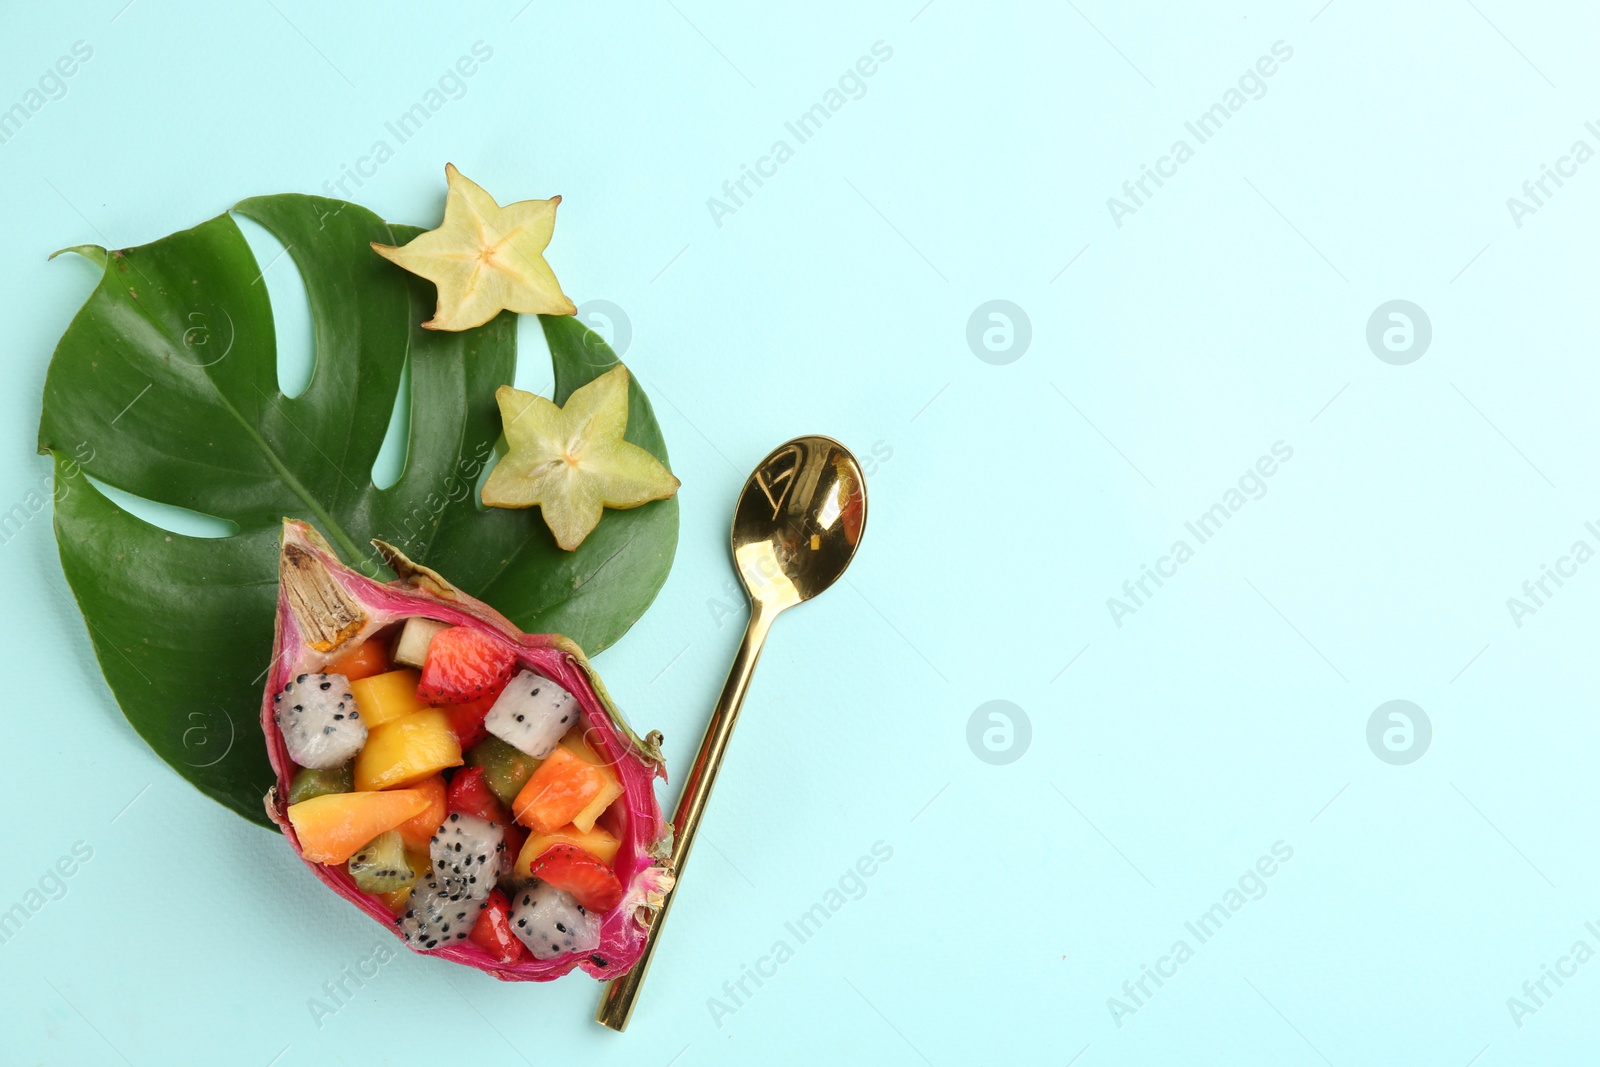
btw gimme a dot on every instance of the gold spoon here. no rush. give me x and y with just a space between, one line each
795 530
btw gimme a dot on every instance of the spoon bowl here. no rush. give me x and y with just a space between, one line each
798 521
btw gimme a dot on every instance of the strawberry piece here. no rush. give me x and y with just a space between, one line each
469 793
492 933
570 868
464 665
466 720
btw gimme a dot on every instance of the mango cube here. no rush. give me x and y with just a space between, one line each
383 698
406 750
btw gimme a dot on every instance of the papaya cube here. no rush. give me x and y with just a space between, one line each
409 749
383 698
599 844
418 832
610 790
333 826
363 661
562 787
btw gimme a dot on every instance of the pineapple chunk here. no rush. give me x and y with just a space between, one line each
385 697
599 844
411 649
610 791
409 749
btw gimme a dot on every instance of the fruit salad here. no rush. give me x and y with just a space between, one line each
468 785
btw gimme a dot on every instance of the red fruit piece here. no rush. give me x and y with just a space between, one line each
570 868
493 930
464 665
470 794
466 720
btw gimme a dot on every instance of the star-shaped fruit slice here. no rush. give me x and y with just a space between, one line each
572 460
484 257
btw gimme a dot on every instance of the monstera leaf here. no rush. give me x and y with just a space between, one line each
165 386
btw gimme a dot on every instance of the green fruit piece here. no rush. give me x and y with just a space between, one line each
380 865
309 782
505 769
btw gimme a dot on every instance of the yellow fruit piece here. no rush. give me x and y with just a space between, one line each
599 844
407 750
572 461
610 791
484 257
333 826
385 697
396 901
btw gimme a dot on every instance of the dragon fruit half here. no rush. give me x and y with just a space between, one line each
335 625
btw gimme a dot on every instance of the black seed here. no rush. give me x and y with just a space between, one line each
560 927
300 679
521 718
325 685
522 922
299 707
338 718
598 961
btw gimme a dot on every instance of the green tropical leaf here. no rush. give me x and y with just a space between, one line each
165 386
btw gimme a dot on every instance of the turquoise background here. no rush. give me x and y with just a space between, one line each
1165 755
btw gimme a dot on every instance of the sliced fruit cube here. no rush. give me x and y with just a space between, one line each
470 795
396 901
363 661
467 720
383 698
574 871
380 865
309 782
464 664
599 844
609 791
319 721
531 714
492 933
411 647
333 826
562 787
417 832
407 750
505 769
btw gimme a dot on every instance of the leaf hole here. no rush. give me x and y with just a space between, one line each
390 461
167 517
291 307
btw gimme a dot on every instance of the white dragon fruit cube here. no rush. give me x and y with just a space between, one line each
321 724
531 714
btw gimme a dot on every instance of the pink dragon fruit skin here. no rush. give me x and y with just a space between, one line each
325 608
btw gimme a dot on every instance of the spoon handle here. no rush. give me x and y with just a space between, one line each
616 1007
